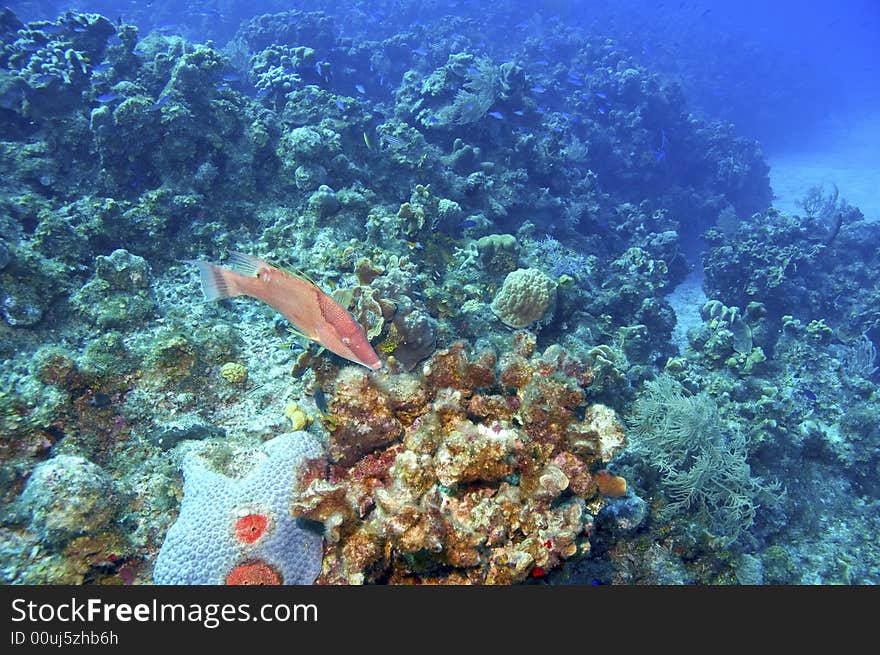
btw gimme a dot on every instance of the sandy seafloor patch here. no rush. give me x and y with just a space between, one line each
845 153
687 299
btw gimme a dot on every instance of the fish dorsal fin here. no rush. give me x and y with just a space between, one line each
249 265
246 264
295 272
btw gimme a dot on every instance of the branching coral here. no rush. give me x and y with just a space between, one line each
477 94
704 465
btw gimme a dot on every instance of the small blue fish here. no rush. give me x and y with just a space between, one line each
421 52
519 112
231 77
104 98
602 110
538 89
468 222
162 101
599 94
340 104
103 67
660 153
44 79
360 88
497 115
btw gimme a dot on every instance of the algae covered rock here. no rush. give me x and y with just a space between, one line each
20 305
68 496
119 294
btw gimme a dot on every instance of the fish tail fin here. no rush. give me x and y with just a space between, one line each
217 282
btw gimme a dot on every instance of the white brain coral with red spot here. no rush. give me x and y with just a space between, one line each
239 531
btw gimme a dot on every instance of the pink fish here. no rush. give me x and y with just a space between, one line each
313 312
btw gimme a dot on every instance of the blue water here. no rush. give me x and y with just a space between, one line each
697 181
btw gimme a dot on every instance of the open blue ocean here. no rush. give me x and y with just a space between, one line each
440 291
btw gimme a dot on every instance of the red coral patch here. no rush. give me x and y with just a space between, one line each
254 572
251 527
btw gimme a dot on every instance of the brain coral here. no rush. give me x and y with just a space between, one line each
240 531
526 296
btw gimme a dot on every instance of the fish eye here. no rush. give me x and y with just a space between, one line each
346 340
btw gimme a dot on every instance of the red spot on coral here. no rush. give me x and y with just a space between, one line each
253 572
548 544
538 572
251 527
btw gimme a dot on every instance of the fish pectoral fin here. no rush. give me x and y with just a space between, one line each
300 334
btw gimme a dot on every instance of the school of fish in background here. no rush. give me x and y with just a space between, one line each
529 314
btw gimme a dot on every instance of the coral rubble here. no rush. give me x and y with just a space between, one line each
465 474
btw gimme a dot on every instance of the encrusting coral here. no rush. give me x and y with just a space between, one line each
462 474
239 531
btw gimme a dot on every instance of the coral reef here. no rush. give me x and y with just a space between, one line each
462 474
533 189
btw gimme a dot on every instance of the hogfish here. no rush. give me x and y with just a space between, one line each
315 314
